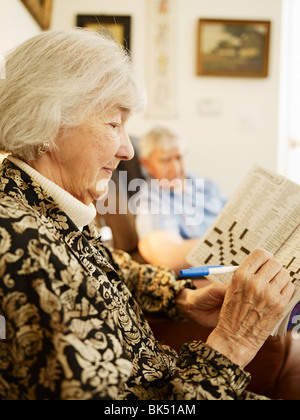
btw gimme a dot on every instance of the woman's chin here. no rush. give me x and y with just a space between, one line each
101 196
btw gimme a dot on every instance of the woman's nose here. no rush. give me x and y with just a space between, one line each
126 151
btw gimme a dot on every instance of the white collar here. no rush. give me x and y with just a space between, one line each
78 212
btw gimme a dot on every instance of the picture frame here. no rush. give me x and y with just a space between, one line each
119 27
233 48
41 11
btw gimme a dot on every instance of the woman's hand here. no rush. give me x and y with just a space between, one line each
202 305
254 303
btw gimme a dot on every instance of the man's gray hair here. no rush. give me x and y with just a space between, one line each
57 79
160 138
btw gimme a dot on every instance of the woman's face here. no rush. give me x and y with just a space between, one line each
89 154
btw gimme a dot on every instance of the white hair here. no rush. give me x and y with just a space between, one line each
55 80
160 138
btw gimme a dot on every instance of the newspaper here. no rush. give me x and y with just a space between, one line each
264 212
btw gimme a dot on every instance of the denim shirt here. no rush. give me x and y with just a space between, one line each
189 213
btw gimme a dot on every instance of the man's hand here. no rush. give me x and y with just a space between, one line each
202 305
162 247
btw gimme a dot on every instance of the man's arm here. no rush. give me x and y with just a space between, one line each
166 248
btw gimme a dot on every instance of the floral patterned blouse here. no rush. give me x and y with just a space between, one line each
74 322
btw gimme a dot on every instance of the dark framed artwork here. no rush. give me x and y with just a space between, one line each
119 27
40 10
233 48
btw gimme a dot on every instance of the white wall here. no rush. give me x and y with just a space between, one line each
16 24
246 129
222 146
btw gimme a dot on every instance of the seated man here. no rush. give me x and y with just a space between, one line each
176 208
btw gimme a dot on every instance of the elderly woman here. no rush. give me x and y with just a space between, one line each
74 322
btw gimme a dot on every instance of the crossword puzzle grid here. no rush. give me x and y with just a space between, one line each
293 266
227 245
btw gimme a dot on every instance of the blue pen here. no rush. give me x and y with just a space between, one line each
207 271
206 267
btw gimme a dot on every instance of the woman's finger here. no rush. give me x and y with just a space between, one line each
268 272
254 262
288 291
281 280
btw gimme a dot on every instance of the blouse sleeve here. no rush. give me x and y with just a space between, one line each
205 374
154 288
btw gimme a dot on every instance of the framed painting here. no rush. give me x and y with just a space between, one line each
233 48
41 11
118 27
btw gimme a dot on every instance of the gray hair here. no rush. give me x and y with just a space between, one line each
57 79
160 138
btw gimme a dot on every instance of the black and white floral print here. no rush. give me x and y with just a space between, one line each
75 327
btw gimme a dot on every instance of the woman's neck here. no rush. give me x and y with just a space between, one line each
78 212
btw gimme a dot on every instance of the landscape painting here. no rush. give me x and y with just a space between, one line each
233 48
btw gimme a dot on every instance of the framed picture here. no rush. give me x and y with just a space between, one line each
116 26
234 48
41 11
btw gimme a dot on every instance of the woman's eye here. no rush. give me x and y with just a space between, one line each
114 125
